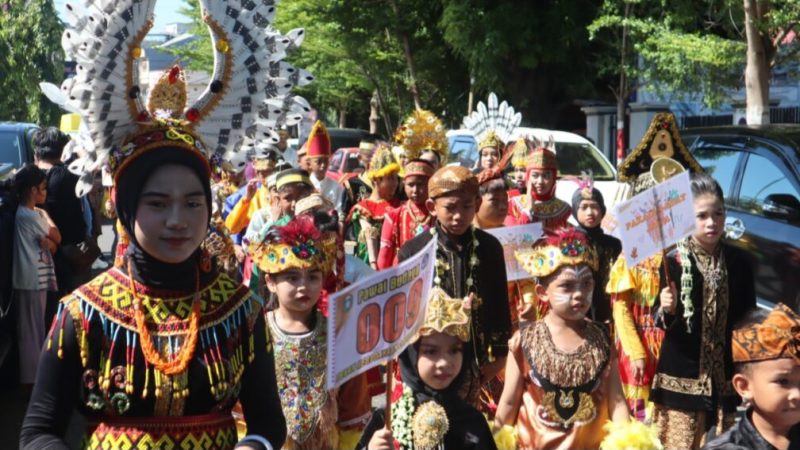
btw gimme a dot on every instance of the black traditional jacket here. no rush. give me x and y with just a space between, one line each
695 367
491 319
744 436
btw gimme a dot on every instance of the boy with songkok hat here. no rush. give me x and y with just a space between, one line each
588 209
469 263
358 187
766 357
409 220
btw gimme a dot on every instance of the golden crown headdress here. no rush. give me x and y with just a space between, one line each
563 247
382 162
247 98
492 124
423 131
446 315
296 245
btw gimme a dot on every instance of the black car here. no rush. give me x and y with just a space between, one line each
758 169
15 146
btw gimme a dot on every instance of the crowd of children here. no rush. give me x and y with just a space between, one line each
582 352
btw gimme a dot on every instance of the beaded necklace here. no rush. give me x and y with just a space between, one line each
472 263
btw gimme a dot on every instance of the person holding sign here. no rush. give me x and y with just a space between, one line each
633 290
297 259
469 263
692 389
562 383
431 414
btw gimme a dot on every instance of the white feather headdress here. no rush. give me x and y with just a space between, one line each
491 122
247 100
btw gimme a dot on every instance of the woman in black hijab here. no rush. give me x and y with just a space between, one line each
160 347
431 414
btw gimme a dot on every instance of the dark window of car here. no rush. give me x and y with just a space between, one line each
463 150
574 158
351 163
720 164
763 178
10 148
336 161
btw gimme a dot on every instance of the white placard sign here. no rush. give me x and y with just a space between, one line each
513 239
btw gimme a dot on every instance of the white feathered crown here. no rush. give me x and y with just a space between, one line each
491 123
247 99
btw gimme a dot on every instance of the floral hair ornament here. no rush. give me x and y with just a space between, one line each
420 132
247 98
563 247
778 336
382 163
296 245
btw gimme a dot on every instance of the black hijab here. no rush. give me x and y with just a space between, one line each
128 185
468 428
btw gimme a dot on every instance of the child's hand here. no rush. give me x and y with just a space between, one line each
667 298
638 369
252 187
381 440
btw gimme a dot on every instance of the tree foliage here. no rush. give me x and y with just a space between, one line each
685 46
30 45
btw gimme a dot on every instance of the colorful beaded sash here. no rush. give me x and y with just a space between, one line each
208 432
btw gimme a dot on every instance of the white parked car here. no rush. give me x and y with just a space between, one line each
575 153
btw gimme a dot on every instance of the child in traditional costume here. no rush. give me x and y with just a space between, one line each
692 390
155 352
540 204
297 259
492 125
766 357
469 262
366 218
494 199
562 383
410 219
318 157
634 290
430 414
588 209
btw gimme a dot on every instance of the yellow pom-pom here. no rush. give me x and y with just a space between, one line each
506 438
631 435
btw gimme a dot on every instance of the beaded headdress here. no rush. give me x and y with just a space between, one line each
423 131
492 124
564 247
296 245
778 336
382 162
519 154
247 99
419 168
543 156
446 315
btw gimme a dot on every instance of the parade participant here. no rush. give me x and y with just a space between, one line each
767 377
318 155
231 177
519 159
358 187
634 290
431 414
562 383
469 262
291 186
492 126
411 218
157 351
691 389
366 218
36 239
296 259
494 197
588 209
253 196
540 204
422 135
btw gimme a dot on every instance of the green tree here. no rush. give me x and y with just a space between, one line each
30 45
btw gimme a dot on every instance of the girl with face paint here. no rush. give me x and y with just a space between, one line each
562 383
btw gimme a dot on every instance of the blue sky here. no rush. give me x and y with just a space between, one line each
166 12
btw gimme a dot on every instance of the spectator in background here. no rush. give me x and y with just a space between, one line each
36 238
64 207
